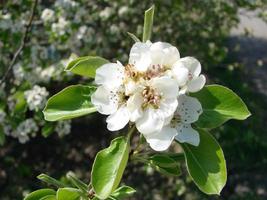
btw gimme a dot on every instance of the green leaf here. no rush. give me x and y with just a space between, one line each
136 39
178 157
148 23
68 194
206 164
73 101
165 164
38 194
86 66
77 182
21 104
219 105
109 166
47 129
123 192
50 180
49 197
2 136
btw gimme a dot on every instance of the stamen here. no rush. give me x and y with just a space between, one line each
154 71
118 97
131 72
151 98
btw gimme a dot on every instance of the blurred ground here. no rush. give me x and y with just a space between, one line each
250 39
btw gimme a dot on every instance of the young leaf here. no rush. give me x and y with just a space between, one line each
68 194
38 194
78 183
219 105
206 164
86 66
148 23
123 192
136 39
21 104
47 129
73 101
109 166
165 164
50 180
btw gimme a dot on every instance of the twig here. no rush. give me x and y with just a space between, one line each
23 41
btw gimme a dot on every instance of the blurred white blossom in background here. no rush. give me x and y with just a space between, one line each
60 27
47 15
63 128
2 116
25 130
36 97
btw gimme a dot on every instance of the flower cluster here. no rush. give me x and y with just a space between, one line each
152 92
24 131
36 97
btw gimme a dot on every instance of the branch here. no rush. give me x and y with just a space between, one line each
23 41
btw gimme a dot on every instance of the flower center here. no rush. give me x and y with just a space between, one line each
131 72
154 71
190 76
151 98
118 97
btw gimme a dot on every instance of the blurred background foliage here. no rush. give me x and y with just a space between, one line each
63 29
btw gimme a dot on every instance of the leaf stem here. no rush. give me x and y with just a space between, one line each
131 131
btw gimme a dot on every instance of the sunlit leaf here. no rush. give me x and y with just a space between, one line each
86 66
219 105
109 166
206 164
38 194
73 101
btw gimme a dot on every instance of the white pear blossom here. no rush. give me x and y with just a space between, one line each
25 130
179 126
63 128
150 92
187 73
47 15
60 27
36 97
18 72
81 32
106 13
109 98
155 102
158 56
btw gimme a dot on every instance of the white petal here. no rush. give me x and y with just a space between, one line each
196 84
168 107
119 119
187 134
103 102
134 104
161 141
192 64
130 87
140 56
164 54
110 75
189 109
151 121
180 73
166 86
